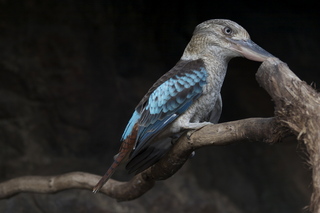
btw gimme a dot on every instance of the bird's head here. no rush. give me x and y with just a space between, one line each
224 38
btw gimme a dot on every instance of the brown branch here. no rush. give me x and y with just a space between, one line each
297 108
73 180
254 129
47 184
257 129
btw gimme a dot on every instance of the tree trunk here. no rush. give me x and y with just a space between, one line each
297 108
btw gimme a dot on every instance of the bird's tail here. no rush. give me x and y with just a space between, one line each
125 149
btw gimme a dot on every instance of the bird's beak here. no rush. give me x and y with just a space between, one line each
251 50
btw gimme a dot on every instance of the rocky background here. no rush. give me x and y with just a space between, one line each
71 73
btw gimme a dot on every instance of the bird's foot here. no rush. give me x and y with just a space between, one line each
190 133
195 127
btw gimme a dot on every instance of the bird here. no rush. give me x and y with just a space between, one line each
186 98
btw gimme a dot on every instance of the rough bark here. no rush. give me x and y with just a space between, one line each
297 108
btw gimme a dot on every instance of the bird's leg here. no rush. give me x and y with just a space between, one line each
192 127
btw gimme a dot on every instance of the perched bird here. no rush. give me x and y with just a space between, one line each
186 97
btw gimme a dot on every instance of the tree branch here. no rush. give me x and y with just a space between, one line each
257 129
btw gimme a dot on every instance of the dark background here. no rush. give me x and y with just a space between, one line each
71 73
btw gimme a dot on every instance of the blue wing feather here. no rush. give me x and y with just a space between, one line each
134 119
170 96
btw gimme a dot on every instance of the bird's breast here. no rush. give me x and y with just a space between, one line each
200 109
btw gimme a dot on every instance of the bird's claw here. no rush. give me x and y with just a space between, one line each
190 133
196 128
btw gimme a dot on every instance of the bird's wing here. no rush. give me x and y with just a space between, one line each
155 151
168 98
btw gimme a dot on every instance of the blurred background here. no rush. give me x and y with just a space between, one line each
72 72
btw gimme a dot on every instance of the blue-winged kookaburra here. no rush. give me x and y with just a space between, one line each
185 98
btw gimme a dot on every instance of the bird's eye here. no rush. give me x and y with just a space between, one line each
227 30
